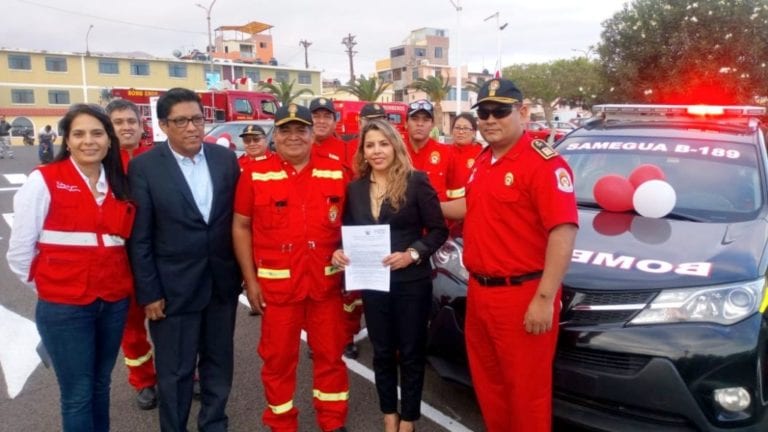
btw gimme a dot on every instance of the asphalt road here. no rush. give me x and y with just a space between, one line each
29 399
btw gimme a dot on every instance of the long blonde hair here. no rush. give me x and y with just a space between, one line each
397 177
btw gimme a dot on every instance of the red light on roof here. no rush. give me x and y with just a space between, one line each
705 110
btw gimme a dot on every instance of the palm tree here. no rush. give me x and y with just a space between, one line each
473 86
283 91
436 89
366 89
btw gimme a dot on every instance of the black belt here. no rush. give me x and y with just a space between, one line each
495 281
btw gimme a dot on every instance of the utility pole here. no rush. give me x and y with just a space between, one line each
457 5
500 27
210 49
305 43
349 42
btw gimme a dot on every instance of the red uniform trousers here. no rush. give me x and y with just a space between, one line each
281 328
353 312
511 369
137 349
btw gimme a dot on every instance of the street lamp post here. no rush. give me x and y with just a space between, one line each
82 64
457 5
500 27
210 49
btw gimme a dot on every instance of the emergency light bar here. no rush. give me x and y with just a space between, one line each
732 114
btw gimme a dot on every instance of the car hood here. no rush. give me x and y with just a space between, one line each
643 253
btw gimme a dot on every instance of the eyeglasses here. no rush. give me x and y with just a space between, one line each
420 105
463 129
181 122
252 138
497 113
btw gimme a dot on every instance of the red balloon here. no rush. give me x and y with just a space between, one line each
612 224
646 172
614 193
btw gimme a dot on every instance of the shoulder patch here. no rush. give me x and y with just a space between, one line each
543 149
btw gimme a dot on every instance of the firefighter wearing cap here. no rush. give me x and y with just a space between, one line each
324 128
288 212
519 230
255 145
427 154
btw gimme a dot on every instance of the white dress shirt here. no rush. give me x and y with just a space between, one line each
195 170
30 208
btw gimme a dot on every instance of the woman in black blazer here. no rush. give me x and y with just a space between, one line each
389 191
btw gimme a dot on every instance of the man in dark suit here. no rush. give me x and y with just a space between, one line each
184 265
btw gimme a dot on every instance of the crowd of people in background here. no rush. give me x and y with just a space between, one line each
187 227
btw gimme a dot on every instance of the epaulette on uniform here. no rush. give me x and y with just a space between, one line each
543 149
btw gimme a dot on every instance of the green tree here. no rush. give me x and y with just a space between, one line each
437 90
708 51
366 89
283 91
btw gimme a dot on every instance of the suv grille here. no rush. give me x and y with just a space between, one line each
614 363
602 307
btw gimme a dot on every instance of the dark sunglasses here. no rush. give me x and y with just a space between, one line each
497 113
420 105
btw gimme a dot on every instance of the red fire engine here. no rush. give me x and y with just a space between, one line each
348 116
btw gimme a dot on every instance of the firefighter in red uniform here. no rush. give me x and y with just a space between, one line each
126 120
465 151
324 129
427 154
287 223
255 145
520 226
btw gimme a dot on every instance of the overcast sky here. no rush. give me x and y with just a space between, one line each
538 30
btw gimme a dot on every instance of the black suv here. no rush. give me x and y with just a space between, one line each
664 322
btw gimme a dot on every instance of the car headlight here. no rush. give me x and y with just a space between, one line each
448 257
725 304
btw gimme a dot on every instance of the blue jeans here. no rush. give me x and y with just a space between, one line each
83 342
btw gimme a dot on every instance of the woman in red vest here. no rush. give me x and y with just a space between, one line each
72 218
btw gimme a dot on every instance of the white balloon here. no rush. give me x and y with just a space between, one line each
222 141
654 199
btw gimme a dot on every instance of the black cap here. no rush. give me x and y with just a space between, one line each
499 90
421 105
321 103
292 112
252 129
372 111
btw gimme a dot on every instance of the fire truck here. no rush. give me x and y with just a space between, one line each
218 106
348 116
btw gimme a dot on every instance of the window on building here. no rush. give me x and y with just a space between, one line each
262 45
19 62
20 126
440 32
140 68
415 74
452 95
305 78
175 70
420 52
281 76
397 75
109 67
397 52
253 74
56 64
58 97
438 52
22 96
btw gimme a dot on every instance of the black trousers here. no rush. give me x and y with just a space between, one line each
202 340
397 328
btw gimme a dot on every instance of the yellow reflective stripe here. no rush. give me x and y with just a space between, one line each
329 174
281 409
330 397
455 193
268 273
68 238
268 176
332 270
764 305
139 361
352 306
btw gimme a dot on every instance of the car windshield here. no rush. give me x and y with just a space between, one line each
715 181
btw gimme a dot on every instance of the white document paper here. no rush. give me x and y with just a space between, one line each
366 246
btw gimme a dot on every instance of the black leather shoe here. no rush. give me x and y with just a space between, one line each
350 351
146 399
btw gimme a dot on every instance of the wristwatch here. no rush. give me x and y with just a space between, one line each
414 255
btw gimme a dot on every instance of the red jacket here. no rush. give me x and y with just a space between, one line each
296 222
82 253
434 159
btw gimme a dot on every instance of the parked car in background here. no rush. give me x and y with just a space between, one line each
560 126
540 131
231 130
664 321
